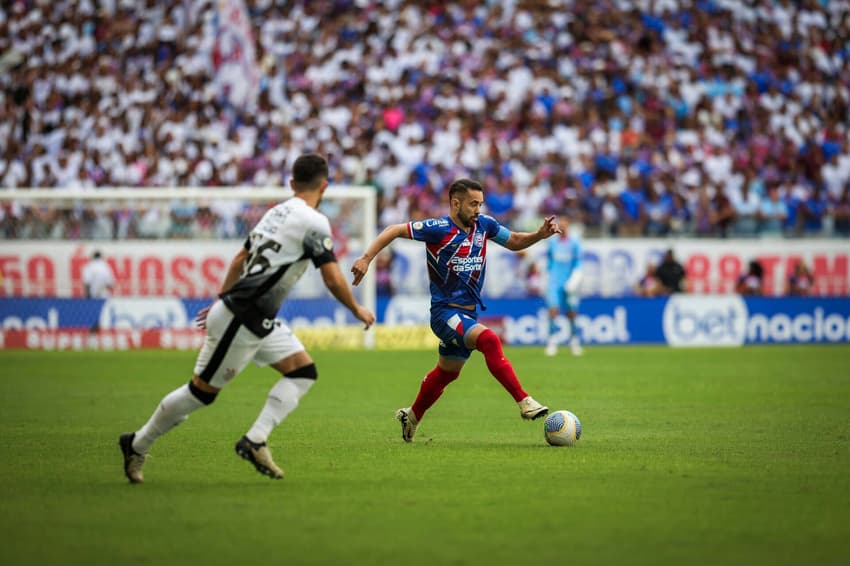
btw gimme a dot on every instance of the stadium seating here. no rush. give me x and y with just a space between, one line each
710 118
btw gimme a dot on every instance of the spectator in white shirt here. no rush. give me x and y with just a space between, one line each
747 205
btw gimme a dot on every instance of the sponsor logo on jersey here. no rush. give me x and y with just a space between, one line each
463 264
433 222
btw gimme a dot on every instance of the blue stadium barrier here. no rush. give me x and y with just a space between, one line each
682 320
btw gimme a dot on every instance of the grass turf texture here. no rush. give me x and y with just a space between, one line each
733 456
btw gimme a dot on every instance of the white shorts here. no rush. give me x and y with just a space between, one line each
229 346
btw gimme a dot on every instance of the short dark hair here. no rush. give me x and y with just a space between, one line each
309 170
460 187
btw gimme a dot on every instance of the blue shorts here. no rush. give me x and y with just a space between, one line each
451 325
558 298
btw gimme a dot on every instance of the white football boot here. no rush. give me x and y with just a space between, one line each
530 409
133 461
408 421
259 455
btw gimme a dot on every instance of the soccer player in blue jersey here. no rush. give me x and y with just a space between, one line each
564 268
456 248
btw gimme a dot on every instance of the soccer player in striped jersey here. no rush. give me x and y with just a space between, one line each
242 326
456 249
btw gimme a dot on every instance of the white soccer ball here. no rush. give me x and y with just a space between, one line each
562 428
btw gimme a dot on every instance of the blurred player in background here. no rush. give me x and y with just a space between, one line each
98 279
562 290
456 247
242 326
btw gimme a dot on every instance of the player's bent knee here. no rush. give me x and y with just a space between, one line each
205 397
488 341
305 372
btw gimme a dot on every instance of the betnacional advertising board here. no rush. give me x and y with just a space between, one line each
678 321
161 285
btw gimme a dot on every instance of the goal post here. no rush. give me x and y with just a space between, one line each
161 230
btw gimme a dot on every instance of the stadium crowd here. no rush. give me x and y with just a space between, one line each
636 117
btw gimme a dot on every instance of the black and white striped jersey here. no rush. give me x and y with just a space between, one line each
279 247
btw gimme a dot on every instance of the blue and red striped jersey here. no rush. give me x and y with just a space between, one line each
456 259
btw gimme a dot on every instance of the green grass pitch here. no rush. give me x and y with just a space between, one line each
714 456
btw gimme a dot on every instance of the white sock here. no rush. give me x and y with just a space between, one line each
172 410
283 398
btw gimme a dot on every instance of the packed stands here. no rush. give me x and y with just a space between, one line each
706 118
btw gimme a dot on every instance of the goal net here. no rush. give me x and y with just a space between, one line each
168 250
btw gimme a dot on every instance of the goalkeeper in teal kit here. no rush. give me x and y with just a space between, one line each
564 268
456 248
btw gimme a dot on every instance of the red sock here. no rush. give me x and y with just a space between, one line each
490 345
431 389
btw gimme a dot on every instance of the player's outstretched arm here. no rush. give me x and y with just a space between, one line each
390 233
234 271
521 240
338 286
